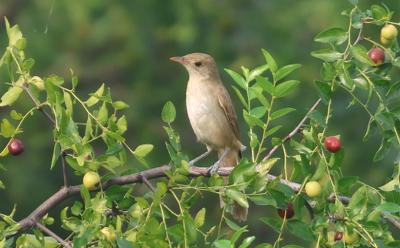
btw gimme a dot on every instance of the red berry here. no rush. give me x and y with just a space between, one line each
338 236
288 211
377 55
332 143
16 147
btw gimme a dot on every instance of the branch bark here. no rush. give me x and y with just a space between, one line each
52 234
154 173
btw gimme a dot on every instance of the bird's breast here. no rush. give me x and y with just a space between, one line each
207 118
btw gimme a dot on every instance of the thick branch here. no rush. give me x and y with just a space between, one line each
158 172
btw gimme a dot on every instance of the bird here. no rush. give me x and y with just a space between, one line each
212 115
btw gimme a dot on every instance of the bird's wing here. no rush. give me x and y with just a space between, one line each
226 104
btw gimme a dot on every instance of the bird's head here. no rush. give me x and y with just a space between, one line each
199 65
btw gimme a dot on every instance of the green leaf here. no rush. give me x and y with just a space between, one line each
56 155
357 197
379 13
222 243
95 97
15 115
247 242
252 120
281 112
143 150
122 125
270 61
7 129
237 78
2 186
286 70
123 243
266 85
240 96
360 53
232 225
258 112
237 234
168 112
285 88
14 33
266 200
102 115
327 55
300 230
257 71
274 223
238 197
10 96
292 246
118 105
273 130
68 103
324 90
390 207
200 217
333 35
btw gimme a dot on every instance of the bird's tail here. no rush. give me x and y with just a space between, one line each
231 159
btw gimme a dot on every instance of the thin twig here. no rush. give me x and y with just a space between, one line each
64 169
38 105
294 131
53 235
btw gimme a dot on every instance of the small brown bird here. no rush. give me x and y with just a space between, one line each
212 115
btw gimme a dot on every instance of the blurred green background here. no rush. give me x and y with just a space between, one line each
127 43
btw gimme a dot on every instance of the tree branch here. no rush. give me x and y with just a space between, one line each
52 234
294 131
66 192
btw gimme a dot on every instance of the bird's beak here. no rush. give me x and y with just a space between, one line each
180 60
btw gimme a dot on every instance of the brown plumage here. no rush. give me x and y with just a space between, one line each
211 114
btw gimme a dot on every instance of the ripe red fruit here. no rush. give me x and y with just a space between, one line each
16 147
288 211
338 236
332 144
377 55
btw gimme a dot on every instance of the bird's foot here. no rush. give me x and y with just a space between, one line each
214 168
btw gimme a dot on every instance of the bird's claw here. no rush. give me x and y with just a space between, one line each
213 169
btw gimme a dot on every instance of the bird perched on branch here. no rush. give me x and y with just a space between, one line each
212 115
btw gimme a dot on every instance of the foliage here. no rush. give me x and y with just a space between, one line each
165 215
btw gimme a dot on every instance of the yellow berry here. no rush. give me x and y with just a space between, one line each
389 32
313 188
108 233
90 179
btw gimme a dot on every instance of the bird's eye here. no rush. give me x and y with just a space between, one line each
198 63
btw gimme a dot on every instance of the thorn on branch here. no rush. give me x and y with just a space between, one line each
146 182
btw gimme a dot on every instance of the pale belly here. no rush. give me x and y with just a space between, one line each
208 121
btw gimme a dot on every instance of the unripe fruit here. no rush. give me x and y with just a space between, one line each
351 238
289 211
15 147
389 32
377 55
338 236
385 41
108 233
90 179
332 144
313 189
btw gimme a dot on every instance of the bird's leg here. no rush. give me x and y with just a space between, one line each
197 159
214 168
